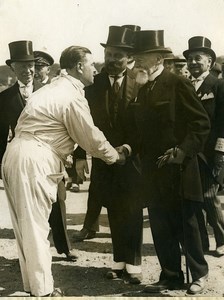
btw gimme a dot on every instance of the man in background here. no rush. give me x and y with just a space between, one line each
200 59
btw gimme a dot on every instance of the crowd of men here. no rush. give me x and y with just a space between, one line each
153 124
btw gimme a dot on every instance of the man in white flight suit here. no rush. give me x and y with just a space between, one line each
55 118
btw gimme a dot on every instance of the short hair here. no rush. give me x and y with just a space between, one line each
72 55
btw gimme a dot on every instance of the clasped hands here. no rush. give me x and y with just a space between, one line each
123 154
171 156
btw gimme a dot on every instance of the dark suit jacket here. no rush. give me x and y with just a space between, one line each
114 183
169 113
11 106
211 93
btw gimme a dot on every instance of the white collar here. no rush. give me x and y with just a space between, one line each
201 77
21 84
45 80
156 73
74 81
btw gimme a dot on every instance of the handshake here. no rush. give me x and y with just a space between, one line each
123 153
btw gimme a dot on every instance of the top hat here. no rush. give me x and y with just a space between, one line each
43 58
132 27
200 43
20 51
119 37
150 41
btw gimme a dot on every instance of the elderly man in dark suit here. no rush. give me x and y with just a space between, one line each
117 188
13 99
172 128
200 59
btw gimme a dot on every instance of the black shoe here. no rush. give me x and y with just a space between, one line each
172 283
114 274
197 286
71 255
134 278
84 234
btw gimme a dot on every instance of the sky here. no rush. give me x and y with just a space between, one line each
53 25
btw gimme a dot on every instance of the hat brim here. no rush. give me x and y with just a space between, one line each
203 49
117 46
10 61
160 50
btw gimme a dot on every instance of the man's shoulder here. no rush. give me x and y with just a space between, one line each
9 92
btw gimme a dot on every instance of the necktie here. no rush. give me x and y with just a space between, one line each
115 86
114 99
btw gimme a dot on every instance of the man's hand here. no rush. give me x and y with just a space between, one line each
69 161
82 168
123 154
171 156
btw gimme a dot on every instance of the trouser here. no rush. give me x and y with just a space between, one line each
94 206
173 226
212 207
126 227
57 223
30 192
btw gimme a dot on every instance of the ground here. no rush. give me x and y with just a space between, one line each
86 276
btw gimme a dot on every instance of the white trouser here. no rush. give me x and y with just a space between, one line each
27 168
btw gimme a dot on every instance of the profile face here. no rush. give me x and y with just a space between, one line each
116 60
88 70
24 71
198 62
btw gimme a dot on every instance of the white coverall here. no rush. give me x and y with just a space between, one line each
55 118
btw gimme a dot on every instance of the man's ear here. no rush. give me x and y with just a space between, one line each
79 67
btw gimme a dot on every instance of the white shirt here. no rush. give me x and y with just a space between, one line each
26 90
58 115
197 82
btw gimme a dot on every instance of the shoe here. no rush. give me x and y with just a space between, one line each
71 255
114 274
68 186
164 284
219 251
84 234
74 188
134 278
197 286
56 293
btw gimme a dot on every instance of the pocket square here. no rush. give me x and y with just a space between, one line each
208 96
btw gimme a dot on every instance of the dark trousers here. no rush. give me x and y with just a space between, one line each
94 206
57 221
126 227
179 225
212 207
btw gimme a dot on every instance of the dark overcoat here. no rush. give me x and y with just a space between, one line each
11 106
115 184
211 94
168 113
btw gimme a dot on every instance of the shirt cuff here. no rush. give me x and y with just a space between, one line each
219 145
128 148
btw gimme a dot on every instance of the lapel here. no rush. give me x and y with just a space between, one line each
206 89
130 88
17 101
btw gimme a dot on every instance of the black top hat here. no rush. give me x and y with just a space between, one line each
150 41
200 43
43 58
132 27
119 37
20 51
